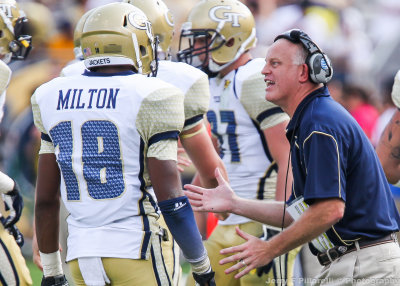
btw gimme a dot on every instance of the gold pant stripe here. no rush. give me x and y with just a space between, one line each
159 266
7 262
13 270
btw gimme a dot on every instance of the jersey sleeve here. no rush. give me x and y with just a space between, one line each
324 163
46 145
63 73
160 120
197 100
265 113
5 76
396 90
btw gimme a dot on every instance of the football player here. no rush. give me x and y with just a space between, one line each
77 66
107 137
13 45
194 84
389 143
249 130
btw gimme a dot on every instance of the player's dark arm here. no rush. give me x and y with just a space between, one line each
164 178
388 149
178 214
47 203
47 212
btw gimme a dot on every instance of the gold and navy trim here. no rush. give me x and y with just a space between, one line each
163 136
337 151
268 113
142 212
46 137
10 260
162 258
193 120
156 272
260 191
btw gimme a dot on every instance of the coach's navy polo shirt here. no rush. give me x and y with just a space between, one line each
333 158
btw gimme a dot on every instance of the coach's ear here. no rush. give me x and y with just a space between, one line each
303 73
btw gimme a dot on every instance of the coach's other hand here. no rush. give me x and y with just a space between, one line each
219 199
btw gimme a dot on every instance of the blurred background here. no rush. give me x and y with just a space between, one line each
360 36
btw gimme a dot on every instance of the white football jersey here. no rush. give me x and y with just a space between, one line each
5 76
194 85
101 129
238 115
74 68
190 80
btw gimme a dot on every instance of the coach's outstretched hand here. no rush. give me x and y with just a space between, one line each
58 280
206 279
219 199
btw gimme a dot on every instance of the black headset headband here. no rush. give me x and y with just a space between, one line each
297 36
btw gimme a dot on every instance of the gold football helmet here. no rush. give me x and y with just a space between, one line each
118 34
11 9
227 28
78 35
161 20
15 43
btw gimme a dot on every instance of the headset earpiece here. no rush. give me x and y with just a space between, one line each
319 66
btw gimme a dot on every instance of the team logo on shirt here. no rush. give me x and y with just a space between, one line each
222 14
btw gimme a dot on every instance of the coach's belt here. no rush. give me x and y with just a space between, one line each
325 258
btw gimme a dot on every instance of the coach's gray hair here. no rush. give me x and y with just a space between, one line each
300 56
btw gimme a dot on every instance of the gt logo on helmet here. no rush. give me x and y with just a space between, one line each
138 20
227 16
7 9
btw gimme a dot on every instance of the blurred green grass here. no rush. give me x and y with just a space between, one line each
36 274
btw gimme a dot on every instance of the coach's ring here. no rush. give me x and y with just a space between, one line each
244 263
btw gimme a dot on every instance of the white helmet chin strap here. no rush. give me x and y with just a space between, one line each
214 67
138 60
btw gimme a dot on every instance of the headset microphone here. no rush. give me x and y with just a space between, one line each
319 65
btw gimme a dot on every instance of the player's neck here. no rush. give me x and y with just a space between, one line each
242 60
113 69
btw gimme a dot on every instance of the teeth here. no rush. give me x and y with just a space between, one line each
268 82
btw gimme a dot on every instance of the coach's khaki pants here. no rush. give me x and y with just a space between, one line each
375 265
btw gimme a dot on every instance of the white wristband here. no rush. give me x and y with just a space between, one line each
201 267
51 262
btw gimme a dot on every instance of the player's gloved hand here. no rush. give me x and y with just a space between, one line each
205 279
14 203
58 280
268 233
19 238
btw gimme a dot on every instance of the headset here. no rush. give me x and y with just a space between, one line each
319 66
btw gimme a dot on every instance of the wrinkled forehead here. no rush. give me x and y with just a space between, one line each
281 49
